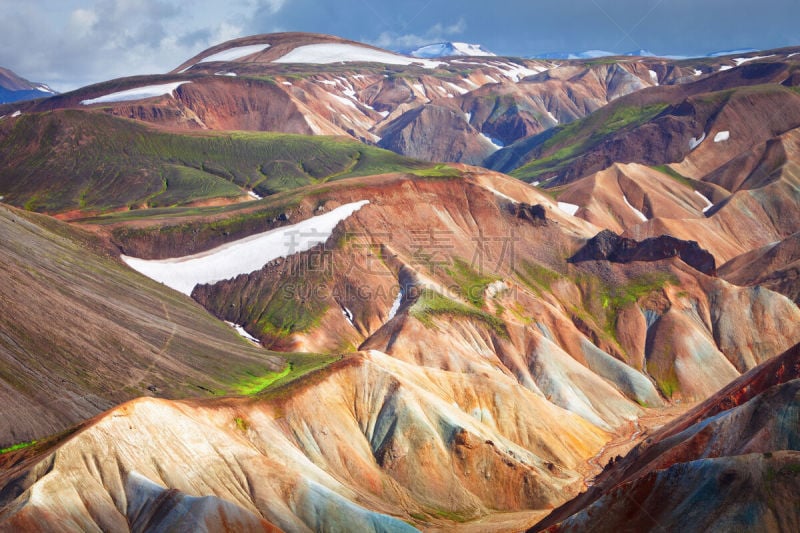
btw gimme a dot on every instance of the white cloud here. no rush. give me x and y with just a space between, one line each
454 29
82 21
272 6
78 43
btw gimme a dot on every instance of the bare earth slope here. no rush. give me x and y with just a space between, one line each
731 463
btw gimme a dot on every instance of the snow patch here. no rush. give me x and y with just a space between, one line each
639 214
459 90
139 93
698 72
225 74
552 117
467 116
242 256
722 136
395 305
495 142
420 88
516 72
241 331
569 209
469 49
16 113
254 195
725 67
496 287
287 83
384 114
743 60
232 54
325 53
344 101
709 203
653 76
348 314
694 142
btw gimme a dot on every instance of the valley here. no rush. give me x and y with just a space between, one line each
301 283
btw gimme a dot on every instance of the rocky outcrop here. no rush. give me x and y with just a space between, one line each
608 246
536 214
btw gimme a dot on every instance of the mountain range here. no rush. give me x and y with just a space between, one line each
303 283
14 88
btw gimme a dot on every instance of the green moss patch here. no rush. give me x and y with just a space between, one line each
19 446
431 304
471 284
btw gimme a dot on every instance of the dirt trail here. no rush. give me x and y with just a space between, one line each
630 436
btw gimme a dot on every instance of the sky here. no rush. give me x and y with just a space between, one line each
72 43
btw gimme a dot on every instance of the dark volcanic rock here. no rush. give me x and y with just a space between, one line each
608 246
532 213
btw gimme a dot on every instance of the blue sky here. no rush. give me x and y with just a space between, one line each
70 43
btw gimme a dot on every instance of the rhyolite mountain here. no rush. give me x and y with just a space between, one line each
731 463
462 348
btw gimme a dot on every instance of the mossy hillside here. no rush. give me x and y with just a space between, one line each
470 284
188 232
299 365
288 311
675 175
430 305
536 277
603 301
556 149
74 159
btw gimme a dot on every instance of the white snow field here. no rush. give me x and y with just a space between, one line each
694 142
569 209
324 53
395 305
638 213
722 136
242 256
242 332
232 54
139 93
742 60
496 143
709 203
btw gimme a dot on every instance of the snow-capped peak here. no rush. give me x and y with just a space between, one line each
448 49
